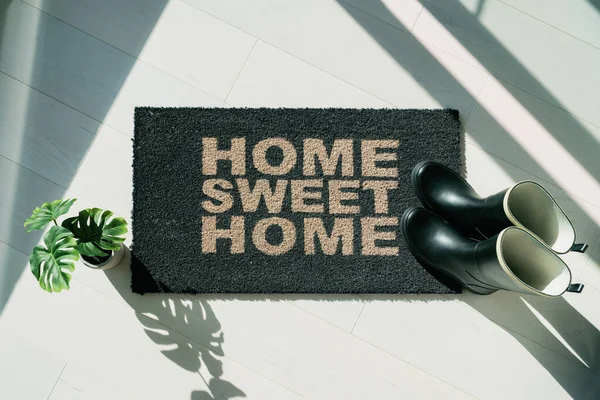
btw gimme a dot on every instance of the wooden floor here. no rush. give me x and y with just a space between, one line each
524 75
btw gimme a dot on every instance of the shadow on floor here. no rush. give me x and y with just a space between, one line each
166 318
554 324
40 52
417 59
496 58
585 338
153 310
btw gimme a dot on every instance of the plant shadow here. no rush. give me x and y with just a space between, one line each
166 318
538 324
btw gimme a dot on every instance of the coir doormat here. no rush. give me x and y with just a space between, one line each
281 200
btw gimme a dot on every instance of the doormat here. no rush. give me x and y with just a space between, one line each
281 200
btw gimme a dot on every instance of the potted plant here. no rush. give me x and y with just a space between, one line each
92 235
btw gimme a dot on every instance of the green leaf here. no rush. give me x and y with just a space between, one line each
89 249
95 232
52 265
41 216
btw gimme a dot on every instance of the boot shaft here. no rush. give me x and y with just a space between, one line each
517 261
529 206
492 217
526 205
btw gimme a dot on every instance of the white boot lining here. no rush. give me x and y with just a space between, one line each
532 264
529 206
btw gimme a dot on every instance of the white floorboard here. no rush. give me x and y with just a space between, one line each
523 75
26 371
41 133
272 78
579 18
591 274
358 48
74 384
532 135
522 50
214 51
85 73
469 351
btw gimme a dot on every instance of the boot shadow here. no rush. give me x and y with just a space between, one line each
552 323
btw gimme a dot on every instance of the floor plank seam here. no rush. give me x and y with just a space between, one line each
550 25
404 30
14 248
416 367
475 101
417 19
560 107
358 318
33 172
89 147
241 70
497 77
57 379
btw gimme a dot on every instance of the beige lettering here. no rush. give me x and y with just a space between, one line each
343 229
260 241
262 189
336 196
299 195
210 188
236 154
315 149
259 156
370 157
210 234
380 194
370 235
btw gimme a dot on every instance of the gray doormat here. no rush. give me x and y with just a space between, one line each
281 200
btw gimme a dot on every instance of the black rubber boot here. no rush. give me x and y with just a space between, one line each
526 205
513 260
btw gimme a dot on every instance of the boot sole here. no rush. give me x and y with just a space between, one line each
473 288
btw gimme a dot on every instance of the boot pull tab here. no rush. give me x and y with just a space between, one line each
579 247
575 288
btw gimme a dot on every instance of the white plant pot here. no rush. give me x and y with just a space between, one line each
114 260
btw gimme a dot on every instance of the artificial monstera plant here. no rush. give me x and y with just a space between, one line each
93 235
